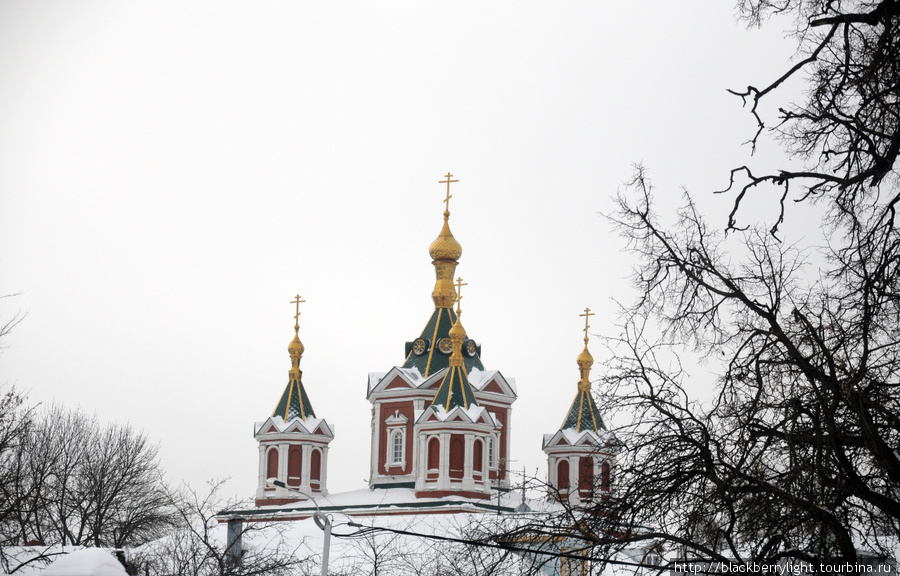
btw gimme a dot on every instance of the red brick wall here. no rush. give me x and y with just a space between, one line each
387 410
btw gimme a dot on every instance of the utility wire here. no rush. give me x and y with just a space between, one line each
366 530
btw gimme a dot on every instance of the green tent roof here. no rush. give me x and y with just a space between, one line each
455 390
433 360
583 415
294 402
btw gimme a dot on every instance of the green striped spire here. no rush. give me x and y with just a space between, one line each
426 354
583 414
294 402
455 389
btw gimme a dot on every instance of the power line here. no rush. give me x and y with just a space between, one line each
365 530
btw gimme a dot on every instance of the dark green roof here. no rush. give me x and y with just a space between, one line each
433 360
583 415
455 390
294 402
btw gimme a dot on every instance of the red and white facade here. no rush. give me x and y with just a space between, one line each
438 453
295 453
579 464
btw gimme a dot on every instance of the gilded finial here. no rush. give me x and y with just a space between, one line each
297 301
585 360
457 335
448 181
587 314
296 348
457 332
459 285
445 252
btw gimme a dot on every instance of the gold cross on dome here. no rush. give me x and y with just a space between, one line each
297 301
459 285
447 182
587 314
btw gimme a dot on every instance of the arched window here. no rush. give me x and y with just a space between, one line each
562 475
434 454
315 467
457 455
397 447
586 476
272 463
605 477
477 455
295 459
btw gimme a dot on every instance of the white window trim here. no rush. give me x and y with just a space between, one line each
390 461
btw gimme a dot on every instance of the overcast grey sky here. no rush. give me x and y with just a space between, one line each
173 173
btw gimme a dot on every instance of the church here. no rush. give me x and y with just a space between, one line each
441 426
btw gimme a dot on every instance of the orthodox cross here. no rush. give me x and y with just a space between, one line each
297 301
587 314
459 285
447 182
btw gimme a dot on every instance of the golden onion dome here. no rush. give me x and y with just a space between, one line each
296 348
457 332
445 246
585 360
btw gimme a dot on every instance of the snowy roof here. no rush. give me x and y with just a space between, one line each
481 378
572 437
306 425
473 413
411 375
387 501
86 562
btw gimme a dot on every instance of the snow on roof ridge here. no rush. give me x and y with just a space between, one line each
374 379
480 378
310 423
411 374
572 435
473 411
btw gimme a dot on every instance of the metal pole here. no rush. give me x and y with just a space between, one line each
321 520
324 524
326 547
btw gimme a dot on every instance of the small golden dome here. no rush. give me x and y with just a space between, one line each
457 332
585 360
296 348
445 246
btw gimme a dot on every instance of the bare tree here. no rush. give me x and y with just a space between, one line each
81 483
375 553
847 130
795 455
792 456
443 545
15 423
10 323
197 545
122 480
